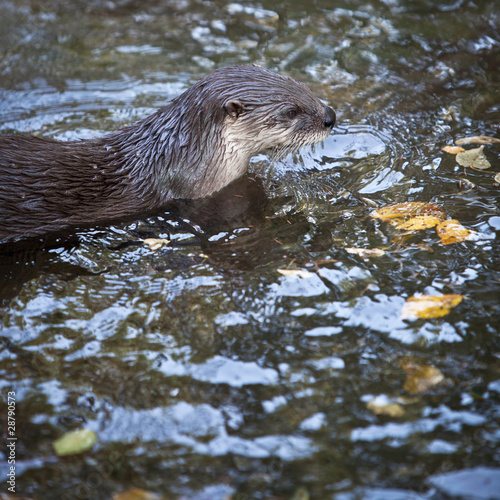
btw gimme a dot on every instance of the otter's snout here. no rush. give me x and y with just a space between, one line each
329 117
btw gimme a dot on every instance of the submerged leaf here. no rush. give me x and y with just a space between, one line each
137 494
74 442
391 409
453 149
430 306
478 139
365 252
473 158
420 378
451 231
156 243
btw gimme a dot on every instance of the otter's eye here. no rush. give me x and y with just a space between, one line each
291 114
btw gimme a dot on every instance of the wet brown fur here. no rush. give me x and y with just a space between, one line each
200 142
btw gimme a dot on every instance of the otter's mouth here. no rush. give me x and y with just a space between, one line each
301 129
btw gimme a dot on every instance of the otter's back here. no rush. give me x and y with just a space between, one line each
46 185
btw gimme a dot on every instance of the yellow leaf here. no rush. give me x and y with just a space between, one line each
419 223
391 409
453 149
451 231
478 139
430 306
156 243
137 494
74 442
497 178
408 210
420 378
365 252
473 158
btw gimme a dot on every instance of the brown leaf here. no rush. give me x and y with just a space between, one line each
451 231
473 158
420 378
477 139
430 306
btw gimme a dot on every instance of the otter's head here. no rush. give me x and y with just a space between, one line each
262 111
232 114
266 112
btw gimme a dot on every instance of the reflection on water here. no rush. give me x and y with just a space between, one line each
241 360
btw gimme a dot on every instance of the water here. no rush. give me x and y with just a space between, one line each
205 372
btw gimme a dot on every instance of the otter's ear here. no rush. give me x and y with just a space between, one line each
234 108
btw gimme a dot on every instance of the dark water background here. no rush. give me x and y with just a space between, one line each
205 373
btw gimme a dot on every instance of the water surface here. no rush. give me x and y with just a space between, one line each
205 372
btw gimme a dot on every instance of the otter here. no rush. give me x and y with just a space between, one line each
191 148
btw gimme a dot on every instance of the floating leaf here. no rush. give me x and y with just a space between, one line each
453 149
430 306
416 216
411 216
408 210
137 494
478 139
295 272
156 243
74 442
365 252
420 378
451 231
419 223
390 409
497 178
473 158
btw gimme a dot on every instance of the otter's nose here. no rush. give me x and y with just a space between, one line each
329 117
